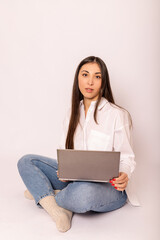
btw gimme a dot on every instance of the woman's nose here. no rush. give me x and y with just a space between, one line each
90 81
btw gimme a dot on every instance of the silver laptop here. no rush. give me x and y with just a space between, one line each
87 165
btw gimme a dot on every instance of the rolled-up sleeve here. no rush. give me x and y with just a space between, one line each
123 143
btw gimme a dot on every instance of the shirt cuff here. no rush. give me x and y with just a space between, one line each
125 168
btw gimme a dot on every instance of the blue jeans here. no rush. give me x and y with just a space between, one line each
39 175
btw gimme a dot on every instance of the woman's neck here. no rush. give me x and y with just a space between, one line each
87 103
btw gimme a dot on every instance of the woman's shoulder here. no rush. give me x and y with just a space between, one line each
115 109
121 115
111 107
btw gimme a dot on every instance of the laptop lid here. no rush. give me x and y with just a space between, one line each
87 165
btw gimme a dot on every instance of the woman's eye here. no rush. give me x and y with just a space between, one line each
85 74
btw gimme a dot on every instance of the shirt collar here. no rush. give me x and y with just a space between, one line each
102 102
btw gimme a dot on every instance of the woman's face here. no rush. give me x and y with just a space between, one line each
89 80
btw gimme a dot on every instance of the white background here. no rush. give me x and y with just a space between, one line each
41 45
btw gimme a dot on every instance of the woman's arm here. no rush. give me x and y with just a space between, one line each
122 143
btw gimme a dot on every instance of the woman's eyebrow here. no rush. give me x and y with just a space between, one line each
88 72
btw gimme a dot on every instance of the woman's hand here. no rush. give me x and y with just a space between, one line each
58 177
121 182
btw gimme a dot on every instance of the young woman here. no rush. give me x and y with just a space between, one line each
93 122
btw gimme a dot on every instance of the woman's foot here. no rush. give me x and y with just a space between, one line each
63 221
28 195
61 216
56 191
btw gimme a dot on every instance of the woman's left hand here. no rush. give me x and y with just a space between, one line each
121 182
58 177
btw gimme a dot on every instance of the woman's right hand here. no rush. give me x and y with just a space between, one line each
58 177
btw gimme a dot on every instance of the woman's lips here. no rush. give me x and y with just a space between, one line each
89 89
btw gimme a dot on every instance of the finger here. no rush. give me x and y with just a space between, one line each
123 185
122 178
57 173
58 177
63 180
121 181
120 189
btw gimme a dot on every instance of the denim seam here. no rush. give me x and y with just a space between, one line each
37 169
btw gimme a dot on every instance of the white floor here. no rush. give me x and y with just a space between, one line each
22 219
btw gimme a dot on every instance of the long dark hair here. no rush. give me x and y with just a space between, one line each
77 96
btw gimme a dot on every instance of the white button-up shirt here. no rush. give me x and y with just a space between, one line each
111 134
